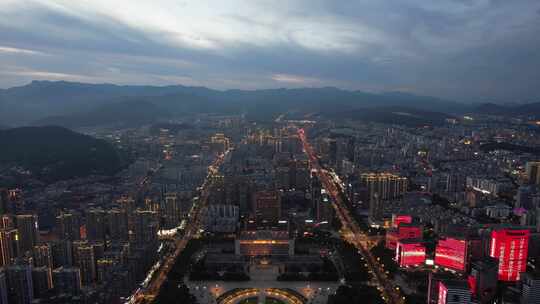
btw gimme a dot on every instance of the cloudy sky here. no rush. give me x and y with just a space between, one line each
467 50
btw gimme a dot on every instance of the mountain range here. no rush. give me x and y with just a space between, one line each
75 105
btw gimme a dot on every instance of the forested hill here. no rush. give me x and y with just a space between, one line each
55 153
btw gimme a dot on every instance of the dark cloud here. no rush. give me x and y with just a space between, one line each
468 50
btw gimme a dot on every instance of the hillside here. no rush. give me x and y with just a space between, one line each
125 113
529 109
55 153
394 115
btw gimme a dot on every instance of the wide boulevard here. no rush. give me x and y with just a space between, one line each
148 293
351 231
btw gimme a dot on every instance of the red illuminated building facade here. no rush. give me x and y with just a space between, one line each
451 253
410 253
398 219
403 232
510 247
456 253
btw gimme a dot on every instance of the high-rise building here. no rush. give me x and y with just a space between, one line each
386 185
86 262
27 225
328 148
3 287
510 247
67 280
99 249
95 224
68 226
455 253
43 256
146 228
483 279
62 253
267 206
222 218
375 209
524 197
150 204
42 281
104 270
218 195
171 210
117 224
454 292
325 210
20 285
283 177
6 222
245 189
301 175
410 253
8 245
315 193
127 204
219 143
403 232
533 172
530 288
4 201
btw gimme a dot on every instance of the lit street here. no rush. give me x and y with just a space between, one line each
352 232
146 295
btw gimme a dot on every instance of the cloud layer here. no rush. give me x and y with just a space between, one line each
470 50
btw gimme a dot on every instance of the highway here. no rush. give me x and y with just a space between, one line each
352 232
148 294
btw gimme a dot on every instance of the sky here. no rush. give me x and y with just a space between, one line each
464 50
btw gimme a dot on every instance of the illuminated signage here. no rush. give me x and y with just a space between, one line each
451 253
511 248
410 254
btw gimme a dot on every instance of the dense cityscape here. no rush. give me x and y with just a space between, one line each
269 152
227 210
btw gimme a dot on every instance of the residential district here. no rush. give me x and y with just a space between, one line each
218 209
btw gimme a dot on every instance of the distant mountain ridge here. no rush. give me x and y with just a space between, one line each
41 99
